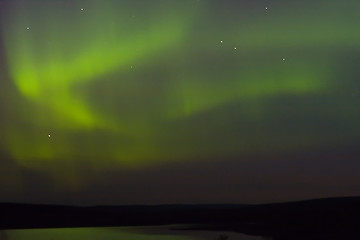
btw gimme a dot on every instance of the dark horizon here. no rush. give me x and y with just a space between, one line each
313 219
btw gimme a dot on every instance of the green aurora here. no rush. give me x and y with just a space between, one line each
120 84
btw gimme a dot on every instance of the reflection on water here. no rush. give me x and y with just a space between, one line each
116 234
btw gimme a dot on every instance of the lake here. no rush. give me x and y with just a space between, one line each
116 233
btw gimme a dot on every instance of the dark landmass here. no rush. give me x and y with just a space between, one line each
332 218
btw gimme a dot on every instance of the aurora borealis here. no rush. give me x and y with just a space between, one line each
113 91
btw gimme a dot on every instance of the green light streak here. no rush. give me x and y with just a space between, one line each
71 69
50 59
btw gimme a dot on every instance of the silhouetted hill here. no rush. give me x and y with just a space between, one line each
330 218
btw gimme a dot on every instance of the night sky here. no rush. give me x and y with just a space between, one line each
169 101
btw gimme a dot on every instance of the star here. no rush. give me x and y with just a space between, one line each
283 59
221 41
28 28
82 9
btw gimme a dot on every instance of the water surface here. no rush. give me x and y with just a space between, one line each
116 233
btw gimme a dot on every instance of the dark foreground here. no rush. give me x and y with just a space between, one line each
335 218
